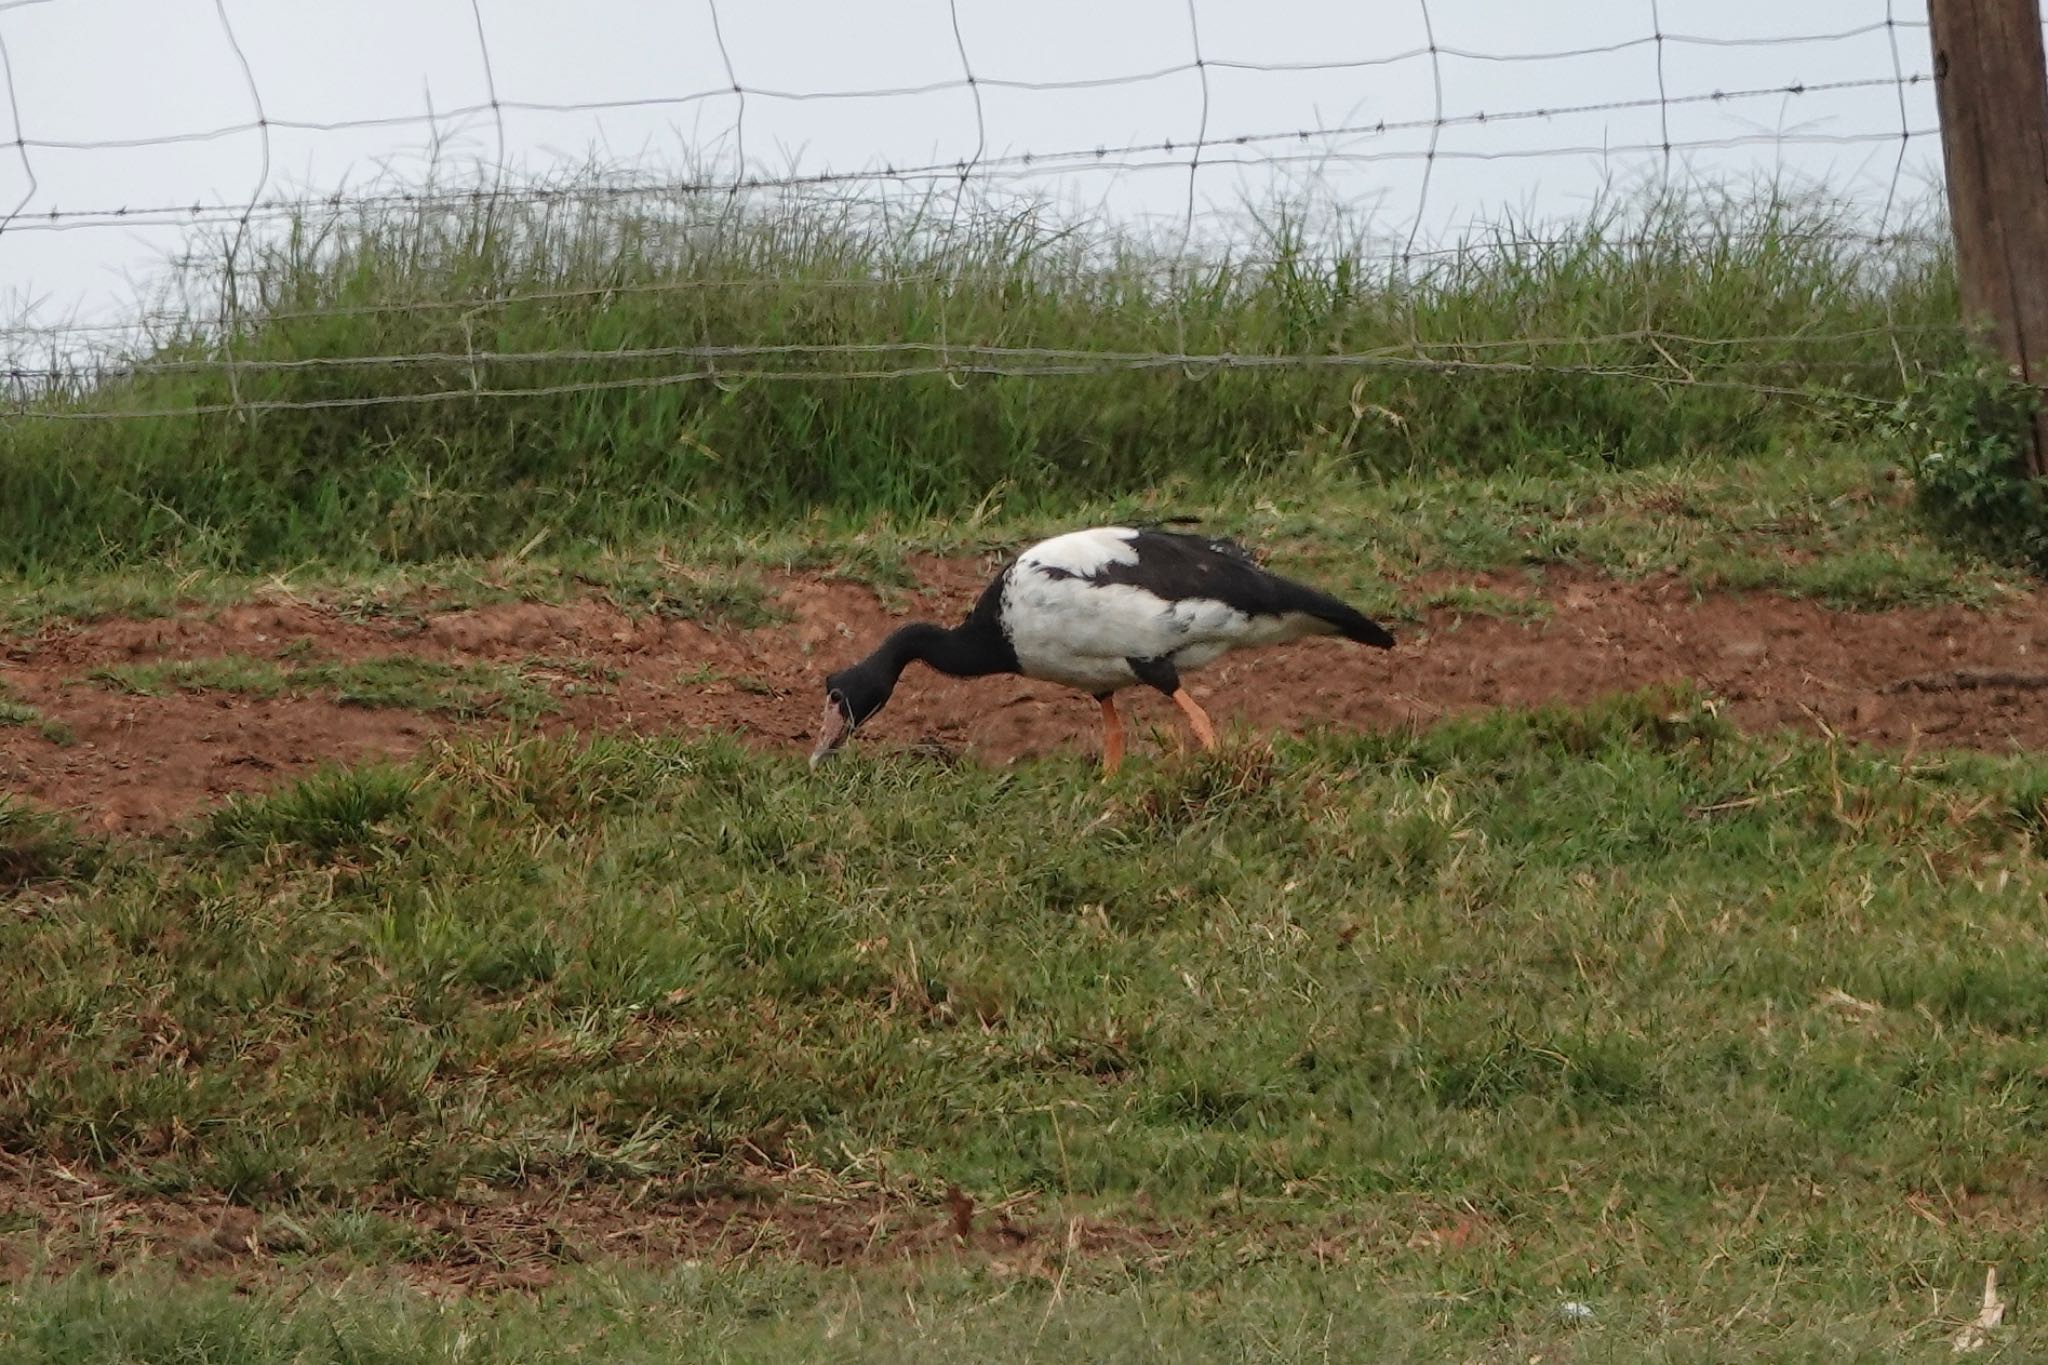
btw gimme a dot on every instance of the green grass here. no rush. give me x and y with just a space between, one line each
718 594
334 810
1389 1045
1737 1041
17 713
715 581
1834 523
465 690
39 848
1238 1303
1648 327
240 673
1467 601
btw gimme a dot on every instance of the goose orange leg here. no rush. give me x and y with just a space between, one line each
1198 719
1112 735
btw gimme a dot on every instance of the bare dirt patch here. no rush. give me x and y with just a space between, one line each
525 1239
54 1222
1951 676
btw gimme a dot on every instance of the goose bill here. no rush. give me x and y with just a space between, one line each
832 731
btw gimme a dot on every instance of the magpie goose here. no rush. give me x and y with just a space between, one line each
1101 610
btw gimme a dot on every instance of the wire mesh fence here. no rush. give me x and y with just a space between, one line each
1625 233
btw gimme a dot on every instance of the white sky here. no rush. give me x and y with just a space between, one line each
97 71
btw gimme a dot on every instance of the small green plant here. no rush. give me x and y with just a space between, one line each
1969 428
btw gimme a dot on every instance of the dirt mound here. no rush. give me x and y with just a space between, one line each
1952 676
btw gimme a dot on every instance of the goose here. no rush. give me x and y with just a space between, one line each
1100 610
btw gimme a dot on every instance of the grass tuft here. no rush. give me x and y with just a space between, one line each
39 846
334 811
20 713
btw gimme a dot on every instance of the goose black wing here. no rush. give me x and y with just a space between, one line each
1173 566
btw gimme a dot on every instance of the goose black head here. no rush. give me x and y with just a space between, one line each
851 696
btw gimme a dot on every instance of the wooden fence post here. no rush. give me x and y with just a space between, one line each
1993 98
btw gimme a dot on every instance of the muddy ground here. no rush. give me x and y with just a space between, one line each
135 764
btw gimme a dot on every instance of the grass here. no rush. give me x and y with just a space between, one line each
575 677
1468 601
1736 1041
1373 1045
463 690
1649 327
37 847
720 596
1835 524
1258 1310
17 713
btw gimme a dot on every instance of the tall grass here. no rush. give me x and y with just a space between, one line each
1738 287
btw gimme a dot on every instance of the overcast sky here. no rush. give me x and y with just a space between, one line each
86 73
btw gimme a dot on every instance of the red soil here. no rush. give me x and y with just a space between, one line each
1957 677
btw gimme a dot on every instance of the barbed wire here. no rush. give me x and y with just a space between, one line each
230 300
752 350
1060 161
90 353
1196 364
181 323
497 107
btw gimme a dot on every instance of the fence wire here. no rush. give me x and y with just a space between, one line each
88 369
